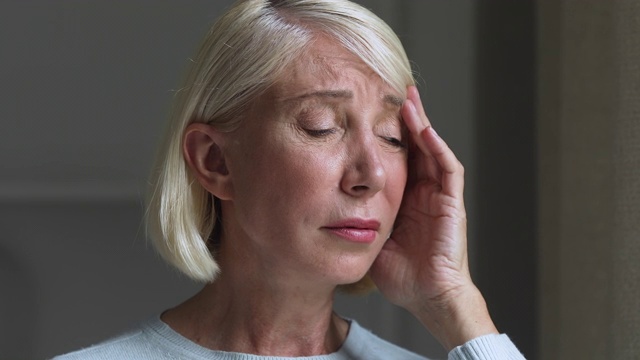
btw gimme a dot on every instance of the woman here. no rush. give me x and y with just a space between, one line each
299 159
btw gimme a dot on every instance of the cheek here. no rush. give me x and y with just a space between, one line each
306 174
284 180
396 180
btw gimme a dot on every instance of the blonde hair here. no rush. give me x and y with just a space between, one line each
245 52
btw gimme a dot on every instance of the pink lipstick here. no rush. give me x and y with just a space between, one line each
355 230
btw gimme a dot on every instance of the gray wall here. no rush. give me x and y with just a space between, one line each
86 88
505 180
589 156
85 91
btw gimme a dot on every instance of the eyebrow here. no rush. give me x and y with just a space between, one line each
335 94
393 100
343 94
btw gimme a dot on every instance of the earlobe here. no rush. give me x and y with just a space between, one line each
203 150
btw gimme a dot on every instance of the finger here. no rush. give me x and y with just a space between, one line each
414 95
441 163
414 116
452 180
414 123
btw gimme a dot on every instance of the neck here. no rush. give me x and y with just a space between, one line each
241 314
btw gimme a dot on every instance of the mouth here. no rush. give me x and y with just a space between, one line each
355 230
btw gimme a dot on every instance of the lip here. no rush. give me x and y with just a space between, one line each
355 230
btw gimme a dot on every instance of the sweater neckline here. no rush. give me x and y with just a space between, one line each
162 332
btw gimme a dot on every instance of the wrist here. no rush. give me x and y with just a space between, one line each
456 317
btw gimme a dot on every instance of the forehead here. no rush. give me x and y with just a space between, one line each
327 65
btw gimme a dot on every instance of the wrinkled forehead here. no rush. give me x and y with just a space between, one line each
326 64
326 55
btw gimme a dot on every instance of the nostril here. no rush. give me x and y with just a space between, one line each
360 188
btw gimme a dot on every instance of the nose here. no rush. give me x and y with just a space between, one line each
364 172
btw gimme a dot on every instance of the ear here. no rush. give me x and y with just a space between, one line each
203 150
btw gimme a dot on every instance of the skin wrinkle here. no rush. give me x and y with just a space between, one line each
312 189
314 105
279 266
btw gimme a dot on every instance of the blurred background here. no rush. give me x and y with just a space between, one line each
540 101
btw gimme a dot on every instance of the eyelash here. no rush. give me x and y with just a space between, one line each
320 132
395 142
326 132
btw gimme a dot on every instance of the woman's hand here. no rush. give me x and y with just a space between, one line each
423 266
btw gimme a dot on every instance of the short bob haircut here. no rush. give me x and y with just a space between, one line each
244 53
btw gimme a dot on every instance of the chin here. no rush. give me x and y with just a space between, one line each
364 286
354 278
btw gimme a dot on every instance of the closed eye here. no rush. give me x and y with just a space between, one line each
395 142
320 132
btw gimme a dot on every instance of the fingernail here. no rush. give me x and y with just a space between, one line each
434 133
412 106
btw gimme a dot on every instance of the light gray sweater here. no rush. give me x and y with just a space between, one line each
155 340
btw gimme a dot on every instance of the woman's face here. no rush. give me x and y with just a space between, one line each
318 169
